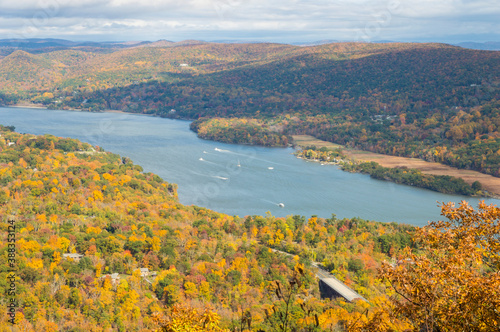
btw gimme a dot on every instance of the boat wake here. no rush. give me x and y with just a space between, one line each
220 177
281 205
210 176
209 162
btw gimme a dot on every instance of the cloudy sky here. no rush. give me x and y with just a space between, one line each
252 20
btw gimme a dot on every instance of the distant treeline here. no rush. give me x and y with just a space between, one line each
7 99
403 175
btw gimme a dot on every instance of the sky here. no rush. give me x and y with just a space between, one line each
286 21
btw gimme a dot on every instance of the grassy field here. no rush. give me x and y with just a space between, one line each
490 183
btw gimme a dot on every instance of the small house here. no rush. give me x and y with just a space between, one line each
144 271
115 277
75 257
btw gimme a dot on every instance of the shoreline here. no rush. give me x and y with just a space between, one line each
323 163
342 162
490 183
41 107
34 106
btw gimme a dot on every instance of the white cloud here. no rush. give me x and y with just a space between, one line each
225 19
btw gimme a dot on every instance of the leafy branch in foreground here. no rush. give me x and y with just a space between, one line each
291 309
453 283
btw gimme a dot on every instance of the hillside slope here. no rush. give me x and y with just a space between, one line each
60 196
432 101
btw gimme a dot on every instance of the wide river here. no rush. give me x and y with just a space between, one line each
235 179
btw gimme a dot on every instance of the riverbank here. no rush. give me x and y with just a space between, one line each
41 106
488 182
168 148
27 105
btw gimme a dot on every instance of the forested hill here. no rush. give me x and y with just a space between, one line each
91 243
390 82
245 78
432 101
60 197
242 79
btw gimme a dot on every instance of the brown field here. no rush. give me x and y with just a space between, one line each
306 140
490 183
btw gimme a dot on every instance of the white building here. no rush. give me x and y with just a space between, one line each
75 257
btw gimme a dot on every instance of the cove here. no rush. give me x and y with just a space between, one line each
235 179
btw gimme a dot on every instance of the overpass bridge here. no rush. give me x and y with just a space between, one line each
329 286
332 287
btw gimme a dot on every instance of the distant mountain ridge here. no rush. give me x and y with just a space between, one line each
37 43
487 46
41 43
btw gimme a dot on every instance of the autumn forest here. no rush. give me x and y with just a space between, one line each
91 242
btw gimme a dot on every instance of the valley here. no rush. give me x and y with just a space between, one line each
171 200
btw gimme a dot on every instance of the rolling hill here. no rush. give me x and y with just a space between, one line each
432 101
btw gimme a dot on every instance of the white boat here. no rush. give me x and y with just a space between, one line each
201 159
239 165
281 205
270 168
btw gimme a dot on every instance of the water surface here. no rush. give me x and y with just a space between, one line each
235 179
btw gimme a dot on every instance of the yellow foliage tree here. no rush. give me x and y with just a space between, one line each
97 195
205 291
42 218
95 230
29 246
63 243
56 257
185 319
36 264
190 289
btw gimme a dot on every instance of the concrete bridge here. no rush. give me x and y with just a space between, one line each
332 287
329 286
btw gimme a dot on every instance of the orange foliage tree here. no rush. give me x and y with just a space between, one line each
453 282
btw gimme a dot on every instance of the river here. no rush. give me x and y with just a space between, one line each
235 179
